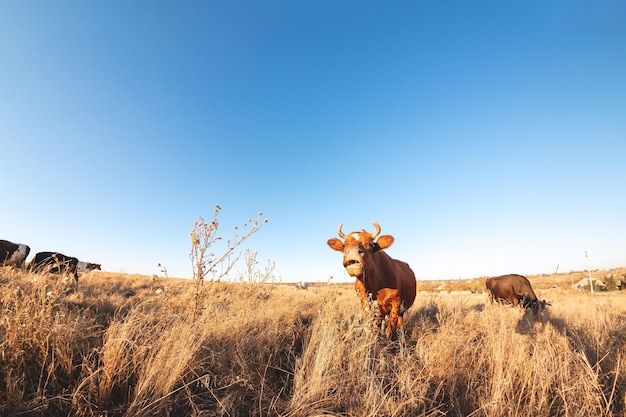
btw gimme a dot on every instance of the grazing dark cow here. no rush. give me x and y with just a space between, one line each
378 276
56 263
516 290
13 254
86 267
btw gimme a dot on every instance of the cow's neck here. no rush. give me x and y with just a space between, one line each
377 274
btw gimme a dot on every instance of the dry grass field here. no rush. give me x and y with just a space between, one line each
126 345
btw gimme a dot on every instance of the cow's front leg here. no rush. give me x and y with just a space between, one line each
389 303
378 318
359 287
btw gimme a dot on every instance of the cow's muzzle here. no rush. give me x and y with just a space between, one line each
354 268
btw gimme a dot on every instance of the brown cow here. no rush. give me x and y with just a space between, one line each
13 254
516 290
389 281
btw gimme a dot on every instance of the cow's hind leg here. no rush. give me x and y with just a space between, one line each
395 320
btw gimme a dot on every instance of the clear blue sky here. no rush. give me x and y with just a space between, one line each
488 137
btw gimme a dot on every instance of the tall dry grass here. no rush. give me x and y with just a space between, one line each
114 347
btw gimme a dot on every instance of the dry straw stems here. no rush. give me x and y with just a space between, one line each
116 348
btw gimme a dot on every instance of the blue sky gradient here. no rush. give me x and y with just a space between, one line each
487 137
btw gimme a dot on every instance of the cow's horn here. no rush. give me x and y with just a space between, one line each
341 235
377 230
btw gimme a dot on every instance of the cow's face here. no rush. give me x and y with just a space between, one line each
358 248
94 267
540 311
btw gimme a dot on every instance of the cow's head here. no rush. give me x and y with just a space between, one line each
94 267
539 309
358 247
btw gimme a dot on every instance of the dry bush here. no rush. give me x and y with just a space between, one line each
209 261
114 347
206 261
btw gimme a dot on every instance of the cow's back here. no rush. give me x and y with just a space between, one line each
522 287
42 259
57 262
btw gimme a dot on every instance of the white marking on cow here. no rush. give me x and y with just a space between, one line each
356 236
81 267
402 308
17 257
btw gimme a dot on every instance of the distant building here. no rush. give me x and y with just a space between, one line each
585 283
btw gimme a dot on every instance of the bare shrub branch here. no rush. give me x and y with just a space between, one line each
205 262
204 236
252 274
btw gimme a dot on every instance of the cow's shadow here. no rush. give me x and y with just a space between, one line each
428 313
428 316
530 323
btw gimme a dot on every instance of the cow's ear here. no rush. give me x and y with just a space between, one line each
335 244
385 241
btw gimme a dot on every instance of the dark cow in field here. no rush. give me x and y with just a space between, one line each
516 290
13 254
379 277
55 263
86 267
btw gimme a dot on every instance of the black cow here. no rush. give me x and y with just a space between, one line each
13 254
56 263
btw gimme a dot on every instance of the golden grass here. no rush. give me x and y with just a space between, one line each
113 346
